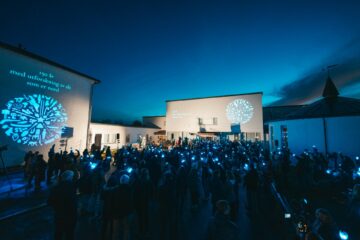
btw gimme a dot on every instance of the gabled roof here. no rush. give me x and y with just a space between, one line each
45 60
328 107
330 89
331 105
273 113
229 95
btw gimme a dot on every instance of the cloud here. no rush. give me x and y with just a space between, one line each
346 75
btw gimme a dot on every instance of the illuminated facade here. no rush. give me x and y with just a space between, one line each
42 103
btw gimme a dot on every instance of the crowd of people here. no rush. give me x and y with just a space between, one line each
334 178
118 187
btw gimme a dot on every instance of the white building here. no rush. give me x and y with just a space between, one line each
116 136
214 116
331 124
39 100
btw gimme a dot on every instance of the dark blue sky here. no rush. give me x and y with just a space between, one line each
146 52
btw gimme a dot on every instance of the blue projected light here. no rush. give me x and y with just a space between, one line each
239 111
33 119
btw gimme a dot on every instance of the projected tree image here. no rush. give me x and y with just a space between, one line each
239 111
33 119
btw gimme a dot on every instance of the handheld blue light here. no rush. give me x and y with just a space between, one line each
357 157
246 166
93 165
129 169
305 201
343 235
328 171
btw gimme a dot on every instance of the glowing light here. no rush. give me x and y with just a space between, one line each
357 157
162 155
328 171
93 165
239 111
33 120
343 235
193 158
246 167
294 155
216 159
129 169
305 201
183 161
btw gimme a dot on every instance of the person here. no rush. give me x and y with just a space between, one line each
181 187
167 206
251 182
194 187
51 164
220 227
107 210
324 226
142 195
123 207
27 164
40 168
63 200
354 212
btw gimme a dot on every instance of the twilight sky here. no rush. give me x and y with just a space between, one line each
146 52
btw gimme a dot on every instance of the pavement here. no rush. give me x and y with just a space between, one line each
17 198
25 215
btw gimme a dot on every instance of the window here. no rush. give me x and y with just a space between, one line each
215 121
109 138
112 138
200 121
284 136
105 138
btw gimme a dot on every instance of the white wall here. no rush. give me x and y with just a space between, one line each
183 115
98 128
75 100
159 121
342 134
